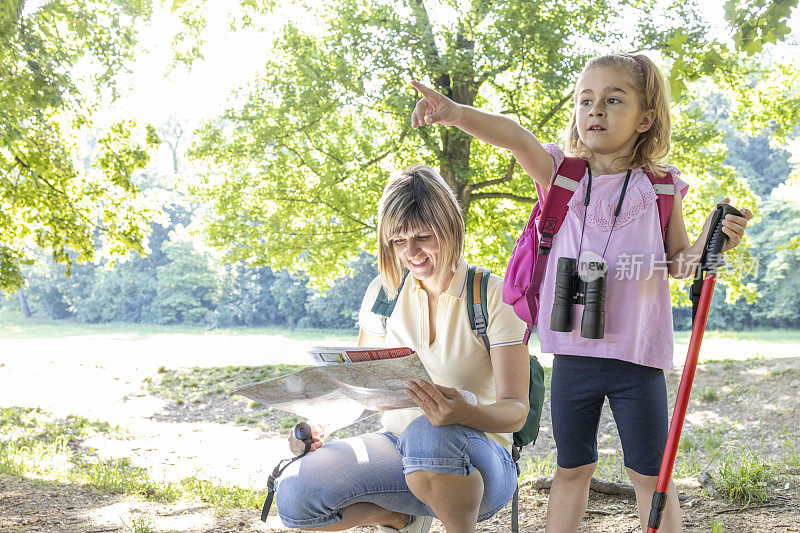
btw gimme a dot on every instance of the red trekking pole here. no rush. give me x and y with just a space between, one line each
702 290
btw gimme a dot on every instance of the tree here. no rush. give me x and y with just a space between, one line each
304 159
291 294
187 286
47 200
339 306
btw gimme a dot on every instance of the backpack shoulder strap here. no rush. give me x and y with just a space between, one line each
554 209
383 306
477 282
665 190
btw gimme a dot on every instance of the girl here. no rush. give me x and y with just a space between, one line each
621 126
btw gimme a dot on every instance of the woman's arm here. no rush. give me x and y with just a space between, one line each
683 258
498 130
445 405
366 338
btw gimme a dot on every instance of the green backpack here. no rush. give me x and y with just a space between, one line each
478 280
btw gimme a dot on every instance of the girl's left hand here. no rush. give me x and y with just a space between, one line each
442 405
733 227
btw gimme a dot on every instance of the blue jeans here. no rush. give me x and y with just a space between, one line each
313 491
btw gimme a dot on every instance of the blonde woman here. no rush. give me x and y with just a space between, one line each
448 458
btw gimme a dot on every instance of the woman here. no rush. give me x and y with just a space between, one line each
449 457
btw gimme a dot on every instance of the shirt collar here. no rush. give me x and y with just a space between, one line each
457 285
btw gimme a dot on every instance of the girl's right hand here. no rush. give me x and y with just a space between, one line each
433 108
297 446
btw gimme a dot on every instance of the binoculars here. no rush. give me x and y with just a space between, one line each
572 289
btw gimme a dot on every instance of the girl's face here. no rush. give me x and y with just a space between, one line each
608 113
418 251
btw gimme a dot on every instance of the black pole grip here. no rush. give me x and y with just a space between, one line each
302 431
716 238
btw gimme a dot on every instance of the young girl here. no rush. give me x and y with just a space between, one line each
620 125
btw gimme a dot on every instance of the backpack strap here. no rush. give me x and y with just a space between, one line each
665 189
477 282
553 212
554 209
383 306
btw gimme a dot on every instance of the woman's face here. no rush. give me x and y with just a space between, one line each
418 251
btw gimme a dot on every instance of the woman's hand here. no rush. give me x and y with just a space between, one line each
442 405
297 446
433 108
732 226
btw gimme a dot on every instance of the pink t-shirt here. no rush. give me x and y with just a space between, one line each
638 312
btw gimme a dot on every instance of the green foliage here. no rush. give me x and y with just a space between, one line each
47 198
758 22
300 165
339 307
187 286
744 475
291 295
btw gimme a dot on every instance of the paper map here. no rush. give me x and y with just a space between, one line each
343 391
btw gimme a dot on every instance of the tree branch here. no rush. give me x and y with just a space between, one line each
507 177
554 110
387 152
502 195
436 70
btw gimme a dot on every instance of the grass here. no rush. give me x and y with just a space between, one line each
716 527
743 475
197 384
140 525
709 394
771 336
35 445
14 326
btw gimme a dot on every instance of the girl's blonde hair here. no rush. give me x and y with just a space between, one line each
652 146
417 198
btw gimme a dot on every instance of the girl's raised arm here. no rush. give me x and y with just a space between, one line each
498 130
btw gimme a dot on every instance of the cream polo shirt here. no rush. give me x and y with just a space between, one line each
458 357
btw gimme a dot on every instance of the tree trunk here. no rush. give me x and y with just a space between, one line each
461 86
23 305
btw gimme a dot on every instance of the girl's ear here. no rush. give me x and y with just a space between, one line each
647 120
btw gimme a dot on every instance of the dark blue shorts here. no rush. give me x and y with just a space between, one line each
638 398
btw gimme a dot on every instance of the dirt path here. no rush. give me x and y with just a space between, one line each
100 377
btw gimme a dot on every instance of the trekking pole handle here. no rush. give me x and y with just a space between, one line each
302 432
716 238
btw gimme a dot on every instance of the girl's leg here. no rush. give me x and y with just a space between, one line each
639 404
644 486
569 495
461 474
577 393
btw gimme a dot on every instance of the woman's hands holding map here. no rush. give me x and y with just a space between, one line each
442 405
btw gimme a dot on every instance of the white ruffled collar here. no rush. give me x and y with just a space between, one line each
606 189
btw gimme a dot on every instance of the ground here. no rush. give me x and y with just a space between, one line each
744 413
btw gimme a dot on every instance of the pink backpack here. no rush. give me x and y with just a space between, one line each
528 261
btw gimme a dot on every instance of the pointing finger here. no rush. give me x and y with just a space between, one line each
424 89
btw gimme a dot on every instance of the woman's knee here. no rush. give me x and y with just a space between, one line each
421 439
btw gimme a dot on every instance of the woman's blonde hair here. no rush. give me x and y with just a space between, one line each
652 146
417 198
